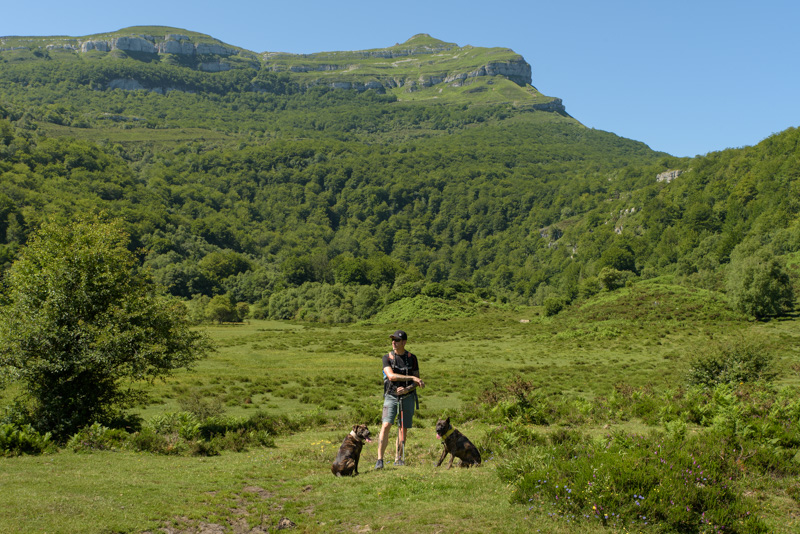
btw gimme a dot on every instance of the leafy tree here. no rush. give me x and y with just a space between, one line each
297 270
83 323
611 279
219 265
351 271
221 309
618 257
760 286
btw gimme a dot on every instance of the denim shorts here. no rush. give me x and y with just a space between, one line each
391 409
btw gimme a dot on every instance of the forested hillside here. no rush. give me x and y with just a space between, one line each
265 183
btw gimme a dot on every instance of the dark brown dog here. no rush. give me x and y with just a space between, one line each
346 462
456 444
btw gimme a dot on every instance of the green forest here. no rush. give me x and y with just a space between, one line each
249 187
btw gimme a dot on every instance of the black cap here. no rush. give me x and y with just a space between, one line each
399 335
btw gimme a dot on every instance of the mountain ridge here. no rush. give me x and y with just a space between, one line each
408 69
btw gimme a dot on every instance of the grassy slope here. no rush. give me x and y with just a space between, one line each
623 337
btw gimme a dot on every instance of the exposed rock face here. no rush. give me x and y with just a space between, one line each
668 176
556 106
215 66
373 84
171 44
315 68
133 44
102 46
518 71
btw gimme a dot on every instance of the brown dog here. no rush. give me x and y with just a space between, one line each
456 444
346 462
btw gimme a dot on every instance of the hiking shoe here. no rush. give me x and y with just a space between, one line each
399 462
379 464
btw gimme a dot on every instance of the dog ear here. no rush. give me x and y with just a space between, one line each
355 427
448 420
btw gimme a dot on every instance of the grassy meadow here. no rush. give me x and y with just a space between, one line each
634 344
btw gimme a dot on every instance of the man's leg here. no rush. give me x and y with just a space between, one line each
383 440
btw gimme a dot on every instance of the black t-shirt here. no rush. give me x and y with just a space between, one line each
405 364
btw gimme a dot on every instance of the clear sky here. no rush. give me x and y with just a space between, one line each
684 77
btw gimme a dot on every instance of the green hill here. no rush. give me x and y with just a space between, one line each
410 68
327 186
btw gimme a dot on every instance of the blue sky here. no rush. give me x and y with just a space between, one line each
684 77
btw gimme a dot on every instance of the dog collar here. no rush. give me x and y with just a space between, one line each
448 433
353 433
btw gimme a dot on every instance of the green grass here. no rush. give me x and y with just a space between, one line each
301 369
128 492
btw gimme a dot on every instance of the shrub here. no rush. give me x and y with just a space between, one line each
434 289
553 305
611 279
97 437
201 407
628 481
505 438
16 440
148 440
736 362
183 424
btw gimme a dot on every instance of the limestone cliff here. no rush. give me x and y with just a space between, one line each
420 65
148 44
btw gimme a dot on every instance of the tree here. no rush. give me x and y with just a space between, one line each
222 309
618 257
83 324
759 285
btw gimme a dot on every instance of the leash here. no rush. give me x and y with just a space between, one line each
402 426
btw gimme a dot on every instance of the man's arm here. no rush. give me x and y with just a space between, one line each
394 377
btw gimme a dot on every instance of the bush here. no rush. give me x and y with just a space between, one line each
736 362
553 305
16 440
611 279
97 438
148 440
201 407
628 481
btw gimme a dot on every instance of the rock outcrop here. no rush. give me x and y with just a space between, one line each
518 71
169 44
668 176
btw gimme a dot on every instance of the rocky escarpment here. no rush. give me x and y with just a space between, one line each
171 43
420 62
517 71
416 66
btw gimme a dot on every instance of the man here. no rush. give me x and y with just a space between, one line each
400 381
